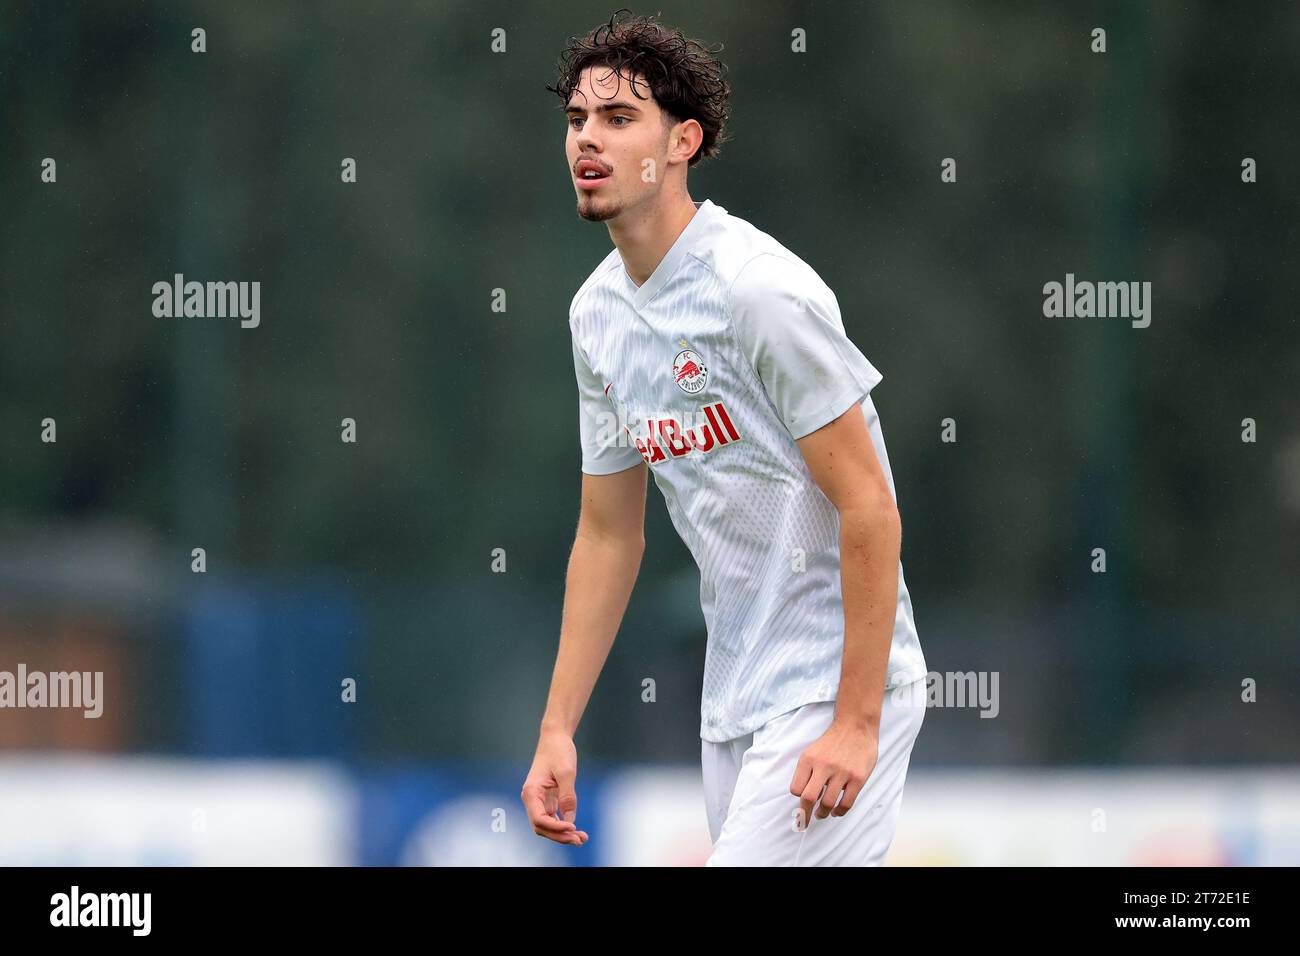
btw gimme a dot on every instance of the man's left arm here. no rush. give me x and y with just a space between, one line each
843 462
789 325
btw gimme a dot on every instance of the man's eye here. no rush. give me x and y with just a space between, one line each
624 118
574 119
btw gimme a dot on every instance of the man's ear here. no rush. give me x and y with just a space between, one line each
685 135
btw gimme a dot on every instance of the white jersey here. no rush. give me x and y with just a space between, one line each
708 372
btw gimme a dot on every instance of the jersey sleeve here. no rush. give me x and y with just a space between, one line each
603 450
788 323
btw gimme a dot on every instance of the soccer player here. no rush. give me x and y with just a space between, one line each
714 358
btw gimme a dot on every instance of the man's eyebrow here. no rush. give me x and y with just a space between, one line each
605 108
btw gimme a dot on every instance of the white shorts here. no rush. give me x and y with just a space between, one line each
753 817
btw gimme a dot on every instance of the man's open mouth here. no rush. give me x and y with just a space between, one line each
590 174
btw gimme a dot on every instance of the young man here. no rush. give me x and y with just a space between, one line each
712 357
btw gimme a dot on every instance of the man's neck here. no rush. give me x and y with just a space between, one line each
644 241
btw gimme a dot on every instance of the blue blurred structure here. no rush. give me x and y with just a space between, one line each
462 815
263 666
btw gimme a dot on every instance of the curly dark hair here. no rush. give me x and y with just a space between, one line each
685 77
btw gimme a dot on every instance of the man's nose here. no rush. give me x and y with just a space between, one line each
587 142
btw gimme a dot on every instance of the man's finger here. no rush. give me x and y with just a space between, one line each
850 794
535 806
802 771
575 837
811 794
567 804
833 790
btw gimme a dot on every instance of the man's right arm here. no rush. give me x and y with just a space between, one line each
603 567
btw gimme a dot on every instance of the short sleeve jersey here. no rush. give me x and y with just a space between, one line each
708 373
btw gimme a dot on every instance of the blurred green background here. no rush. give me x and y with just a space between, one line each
373 560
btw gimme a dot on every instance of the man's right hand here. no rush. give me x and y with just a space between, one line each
549 796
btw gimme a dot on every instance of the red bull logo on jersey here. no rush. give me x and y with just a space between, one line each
669 439
689 371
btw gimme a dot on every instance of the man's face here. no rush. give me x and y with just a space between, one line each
612 133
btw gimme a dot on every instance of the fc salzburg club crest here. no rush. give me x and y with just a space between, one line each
689 371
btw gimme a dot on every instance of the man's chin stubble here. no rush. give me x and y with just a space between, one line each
597 213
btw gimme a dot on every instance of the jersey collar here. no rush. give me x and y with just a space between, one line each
668 265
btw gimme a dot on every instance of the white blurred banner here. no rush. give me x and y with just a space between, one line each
137 811
1240 817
